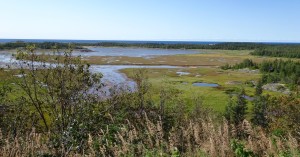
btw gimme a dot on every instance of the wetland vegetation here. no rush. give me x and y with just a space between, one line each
55 107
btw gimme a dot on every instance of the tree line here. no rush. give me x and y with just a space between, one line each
260 49
289 51
224 46
43 45
273 71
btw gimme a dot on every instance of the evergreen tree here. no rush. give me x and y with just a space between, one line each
240 108
236 108
259 111
229 110
258 89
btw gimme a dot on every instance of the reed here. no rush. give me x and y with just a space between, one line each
193 138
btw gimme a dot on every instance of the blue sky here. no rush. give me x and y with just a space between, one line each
185 20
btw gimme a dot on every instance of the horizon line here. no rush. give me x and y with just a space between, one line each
152 40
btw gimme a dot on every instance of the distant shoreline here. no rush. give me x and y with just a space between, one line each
134 41
108 41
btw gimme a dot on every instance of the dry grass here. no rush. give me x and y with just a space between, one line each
205 58
177 60
194 138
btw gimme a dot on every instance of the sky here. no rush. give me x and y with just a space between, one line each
169 20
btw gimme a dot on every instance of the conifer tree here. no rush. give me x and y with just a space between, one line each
259 111
236 109
259 107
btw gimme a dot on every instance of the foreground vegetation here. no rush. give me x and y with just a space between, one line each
57 109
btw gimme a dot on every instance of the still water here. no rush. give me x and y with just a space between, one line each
111 75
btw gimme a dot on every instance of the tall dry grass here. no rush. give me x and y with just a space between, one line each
194 138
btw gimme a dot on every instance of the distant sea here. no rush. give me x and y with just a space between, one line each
128 41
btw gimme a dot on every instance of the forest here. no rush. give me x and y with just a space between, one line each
289 51
287 72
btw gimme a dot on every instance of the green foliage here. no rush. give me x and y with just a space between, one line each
239 149
258 88
55 97
226 67
260 106
289 51
223 46
274 71
283 115
236 108
259 111
229 110
143 86
4 90
43 45
279 70
175 153
247 63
